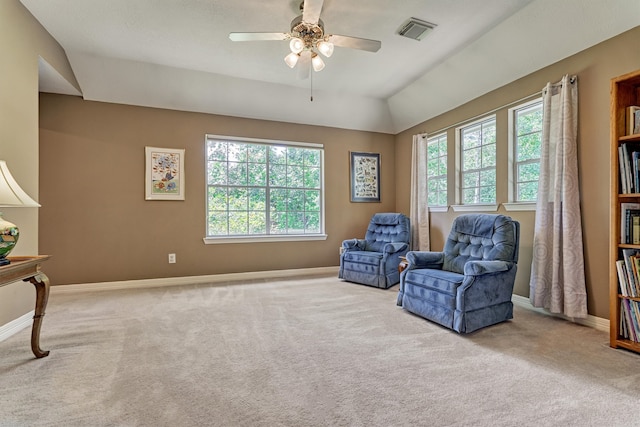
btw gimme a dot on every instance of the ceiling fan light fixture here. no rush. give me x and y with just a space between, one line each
317 63
292 59
325 48
296 45
308 41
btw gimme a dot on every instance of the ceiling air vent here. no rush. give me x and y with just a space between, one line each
415 29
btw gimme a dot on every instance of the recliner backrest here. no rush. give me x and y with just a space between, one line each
481 237
386 228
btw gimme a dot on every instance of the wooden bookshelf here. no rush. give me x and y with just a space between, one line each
625 92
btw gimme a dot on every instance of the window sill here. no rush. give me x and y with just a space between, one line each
439 209
258 239
522 206
475 208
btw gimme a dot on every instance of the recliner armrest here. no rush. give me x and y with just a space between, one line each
478 268
391 248
353 244
424 259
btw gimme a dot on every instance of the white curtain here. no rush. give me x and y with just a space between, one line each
419 211
557 271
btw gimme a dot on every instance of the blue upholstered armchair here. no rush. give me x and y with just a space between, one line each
469 285
374 260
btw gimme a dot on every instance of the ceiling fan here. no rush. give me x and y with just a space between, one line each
307 38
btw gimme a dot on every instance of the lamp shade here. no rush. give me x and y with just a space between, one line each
11 195
317 62
296 45
291 59
325 48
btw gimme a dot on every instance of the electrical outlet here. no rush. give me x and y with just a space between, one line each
172 258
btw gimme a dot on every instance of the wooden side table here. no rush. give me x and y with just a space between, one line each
27 269
403 264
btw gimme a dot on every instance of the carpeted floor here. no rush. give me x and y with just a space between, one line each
314 351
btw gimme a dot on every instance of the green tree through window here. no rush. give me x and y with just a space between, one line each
478 162
263 188
528 142
437 170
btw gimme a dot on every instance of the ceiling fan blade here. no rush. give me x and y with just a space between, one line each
249 37
311 11
304 65
355 43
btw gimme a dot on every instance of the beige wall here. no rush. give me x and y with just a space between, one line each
97 225
594 67
22 41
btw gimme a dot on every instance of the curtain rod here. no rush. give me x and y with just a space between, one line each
571 80
557 85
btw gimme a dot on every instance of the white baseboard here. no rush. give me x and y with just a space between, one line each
193 280
591 321
15 326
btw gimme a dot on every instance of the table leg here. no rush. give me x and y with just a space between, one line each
41 282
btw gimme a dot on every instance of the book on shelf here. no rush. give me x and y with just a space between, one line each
624 331
632 278
627 166
633 313
628 331
627 211
636 264
632 226
624 189
635 170
629 320
630 167
635 318
631 119
623 281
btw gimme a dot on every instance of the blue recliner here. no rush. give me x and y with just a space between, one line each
469 285
374 260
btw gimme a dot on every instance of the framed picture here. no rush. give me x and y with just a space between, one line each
365 177
164 173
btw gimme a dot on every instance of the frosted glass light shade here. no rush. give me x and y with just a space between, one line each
296 45
292 59
317 62
325 48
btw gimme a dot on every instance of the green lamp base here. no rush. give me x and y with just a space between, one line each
9 234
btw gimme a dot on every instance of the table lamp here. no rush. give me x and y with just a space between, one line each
11 195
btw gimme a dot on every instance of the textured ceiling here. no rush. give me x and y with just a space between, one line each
177 54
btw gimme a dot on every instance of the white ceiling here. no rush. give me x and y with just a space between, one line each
176 54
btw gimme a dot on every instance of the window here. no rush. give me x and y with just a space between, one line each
264 190
437 170
477 151
525 140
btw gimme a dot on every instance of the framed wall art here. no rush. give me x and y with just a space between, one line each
365 177
164 173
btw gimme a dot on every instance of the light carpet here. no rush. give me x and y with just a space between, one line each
313 351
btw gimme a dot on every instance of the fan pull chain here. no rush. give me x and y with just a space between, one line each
311 88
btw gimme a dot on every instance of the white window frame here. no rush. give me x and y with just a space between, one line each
248 238
439 139
514 204
472 207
